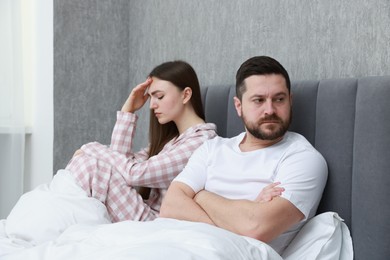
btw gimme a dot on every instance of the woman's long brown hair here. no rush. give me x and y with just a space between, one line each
182 75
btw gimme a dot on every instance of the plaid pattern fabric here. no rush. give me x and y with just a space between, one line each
110 174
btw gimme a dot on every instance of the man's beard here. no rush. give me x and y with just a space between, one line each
275 130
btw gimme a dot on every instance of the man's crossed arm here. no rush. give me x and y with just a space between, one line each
263 219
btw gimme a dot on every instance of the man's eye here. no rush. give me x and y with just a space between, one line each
258 100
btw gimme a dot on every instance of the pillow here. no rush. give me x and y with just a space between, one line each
325 236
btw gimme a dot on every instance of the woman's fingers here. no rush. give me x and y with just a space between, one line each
137 97
78 152
144 85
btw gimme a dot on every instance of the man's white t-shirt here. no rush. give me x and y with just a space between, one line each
219 166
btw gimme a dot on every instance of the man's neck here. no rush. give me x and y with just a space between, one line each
250 143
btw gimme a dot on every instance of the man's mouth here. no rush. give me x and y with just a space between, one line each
270 122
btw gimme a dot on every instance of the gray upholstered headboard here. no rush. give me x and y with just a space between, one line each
348 121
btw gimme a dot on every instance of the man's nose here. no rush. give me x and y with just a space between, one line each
269 107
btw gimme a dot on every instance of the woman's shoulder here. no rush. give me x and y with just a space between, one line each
198 132
209 129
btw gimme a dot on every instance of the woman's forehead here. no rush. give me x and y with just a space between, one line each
159 85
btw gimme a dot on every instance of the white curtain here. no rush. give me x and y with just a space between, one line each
12 119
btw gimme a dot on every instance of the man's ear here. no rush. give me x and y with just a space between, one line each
187 94
237 105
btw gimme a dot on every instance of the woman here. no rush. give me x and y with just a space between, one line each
177 127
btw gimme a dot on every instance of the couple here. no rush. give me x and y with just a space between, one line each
264 183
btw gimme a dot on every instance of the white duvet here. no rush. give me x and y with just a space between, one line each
58 221
159 239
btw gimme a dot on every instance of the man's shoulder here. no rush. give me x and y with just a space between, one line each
298 144
296 139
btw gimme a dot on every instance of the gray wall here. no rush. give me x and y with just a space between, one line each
103 48
91 64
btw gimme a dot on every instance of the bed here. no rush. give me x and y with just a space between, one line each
345 119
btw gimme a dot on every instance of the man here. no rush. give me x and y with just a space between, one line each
221 183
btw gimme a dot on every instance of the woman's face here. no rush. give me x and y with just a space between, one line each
166 101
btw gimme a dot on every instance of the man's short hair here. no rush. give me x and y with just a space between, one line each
259 65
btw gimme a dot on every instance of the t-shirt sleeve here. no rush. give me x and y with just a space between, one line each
194 173
303 174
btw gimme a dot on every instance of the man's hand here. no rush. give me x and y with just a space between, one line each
269 192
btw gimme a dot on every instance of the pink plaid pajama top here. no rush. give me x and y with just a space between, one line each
110 174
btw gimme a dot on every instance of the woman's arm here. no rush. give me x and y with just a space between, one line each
124 129
159 170
123 134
